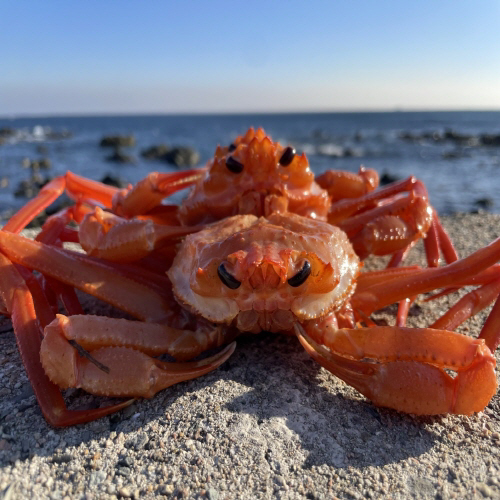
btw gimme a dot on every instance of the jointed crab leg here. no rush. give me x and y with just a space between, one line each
89 276
468 306
144 196
108 236
404 369
376 296
19 304
150 191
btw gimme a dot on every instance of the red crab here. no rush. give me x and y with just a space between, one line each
285 272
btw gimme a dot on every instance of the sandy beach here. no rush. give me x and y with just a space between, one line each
269 423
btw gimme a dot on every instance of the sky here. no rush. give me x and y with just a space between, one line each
214 56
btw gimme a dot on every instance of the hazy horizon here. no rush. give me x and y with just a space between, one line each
241 113
107 58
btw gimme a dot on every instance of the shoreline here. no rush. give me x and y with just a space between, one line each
268 423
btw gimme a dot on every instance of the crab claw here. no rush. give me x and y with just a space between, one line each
135 374
414 380
115 370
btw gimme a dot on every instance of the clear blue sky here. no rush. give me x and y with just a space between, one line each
69 56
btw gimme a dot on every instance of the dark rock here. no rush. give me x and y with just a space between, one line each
112 180
408 136
125 462
387 178
35 165
41 164
7 132
30 187
155 152
119 156
485 203
122 471
462 139
116 141
490 140
182 156
62 459
451 155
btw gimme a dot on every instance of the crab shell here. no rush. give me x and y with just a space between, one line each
264 185
261 255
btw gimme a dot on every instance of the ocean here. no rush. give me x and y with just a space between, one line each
456 154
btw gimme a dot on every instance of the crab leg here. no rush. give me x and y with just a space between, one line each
345 208
383 221
468 306
404 369
135 200
491 329
150 191
47 195
19 304
113 356
108 236
410 284
99 280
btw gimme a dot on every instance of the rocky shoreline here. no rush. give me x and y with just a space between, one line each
268 423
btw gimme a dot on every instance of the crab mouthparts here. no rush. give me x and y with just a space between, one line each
272 321
268 275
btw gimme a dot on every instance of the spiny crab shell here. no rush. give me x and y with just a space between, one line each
260 257
251 177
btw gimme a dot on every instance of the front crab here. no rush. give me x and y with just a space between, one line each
265 274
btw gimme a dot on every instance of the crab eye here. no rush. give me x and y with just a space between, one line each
287 156
231 147
234 165
301 276
228 279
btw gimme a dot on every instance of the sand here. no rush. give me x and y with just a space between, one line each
268 423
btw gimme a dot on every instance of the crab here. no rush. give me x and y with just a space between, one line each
287 269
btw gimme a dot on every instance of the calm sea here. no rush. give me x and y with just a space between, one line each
444 149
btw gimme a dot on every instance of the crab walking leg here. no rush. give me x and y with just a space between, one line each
119 362
491 329
47 195
19 304
343 209
431 244
79 188
468 306
89 276
377 296
111 237
404 368
150 191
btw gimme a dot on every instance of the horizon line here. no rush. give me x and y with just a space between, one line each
95 114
